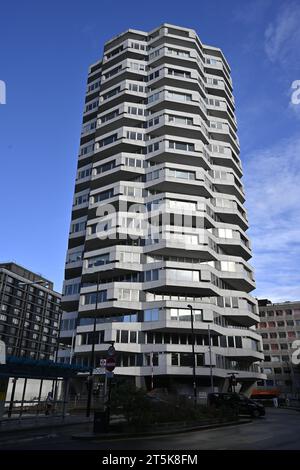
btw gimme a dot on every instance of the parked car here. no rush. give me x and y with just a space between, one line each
237 401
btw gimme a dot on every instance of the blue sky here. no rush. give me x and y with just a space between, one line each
46 48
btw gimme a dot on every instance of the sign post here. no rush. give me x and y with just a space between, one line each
109 367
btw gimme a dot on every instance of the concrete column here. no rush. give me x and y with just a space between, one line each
3 392
140 382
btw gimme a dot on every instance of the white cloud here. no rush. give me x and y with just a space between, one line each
273 200
282 36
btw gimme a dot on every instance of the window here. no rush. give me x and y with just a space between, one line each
104 195
109 116
81 199
178 52
133 336
138 66
172 95
175 359
184 175
134 135
136 111
108 140
184 314
183 275
151 275
111 93
91 105
180 120
91 298
124 336
151 314
98 260
186 147
78 227
113 72
74 257
275 359
84 173
94 86
106 167
154 75
72 289
179 73
136 88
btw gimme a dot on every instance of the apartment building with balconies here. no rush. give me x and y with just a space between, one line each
158 219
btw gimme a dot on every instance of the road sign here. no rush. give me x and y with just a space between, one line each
111 351
98 371
110 364
102 362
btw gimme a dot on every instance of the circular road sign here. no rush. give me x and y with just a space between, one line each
111 351
110 364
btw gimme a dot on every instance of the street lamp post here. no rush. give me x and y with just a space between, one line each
194 357
210 361
90 377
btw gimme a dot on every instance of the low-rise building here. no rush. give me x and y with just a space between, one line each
280 328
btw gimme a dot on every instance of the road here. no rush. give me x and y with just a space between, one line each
279 430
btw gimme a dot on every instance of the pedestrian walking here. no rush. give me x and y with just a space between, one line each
49 404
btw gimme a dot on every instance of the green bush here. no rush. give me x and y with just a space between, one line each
139 410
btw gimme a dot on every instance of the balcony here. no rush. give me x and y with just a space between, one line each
197 158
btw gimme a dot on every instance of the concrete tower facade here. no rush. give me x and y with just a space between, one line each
158 222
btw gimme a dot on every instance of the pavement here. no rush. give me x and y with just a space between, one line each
34 422
279 429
